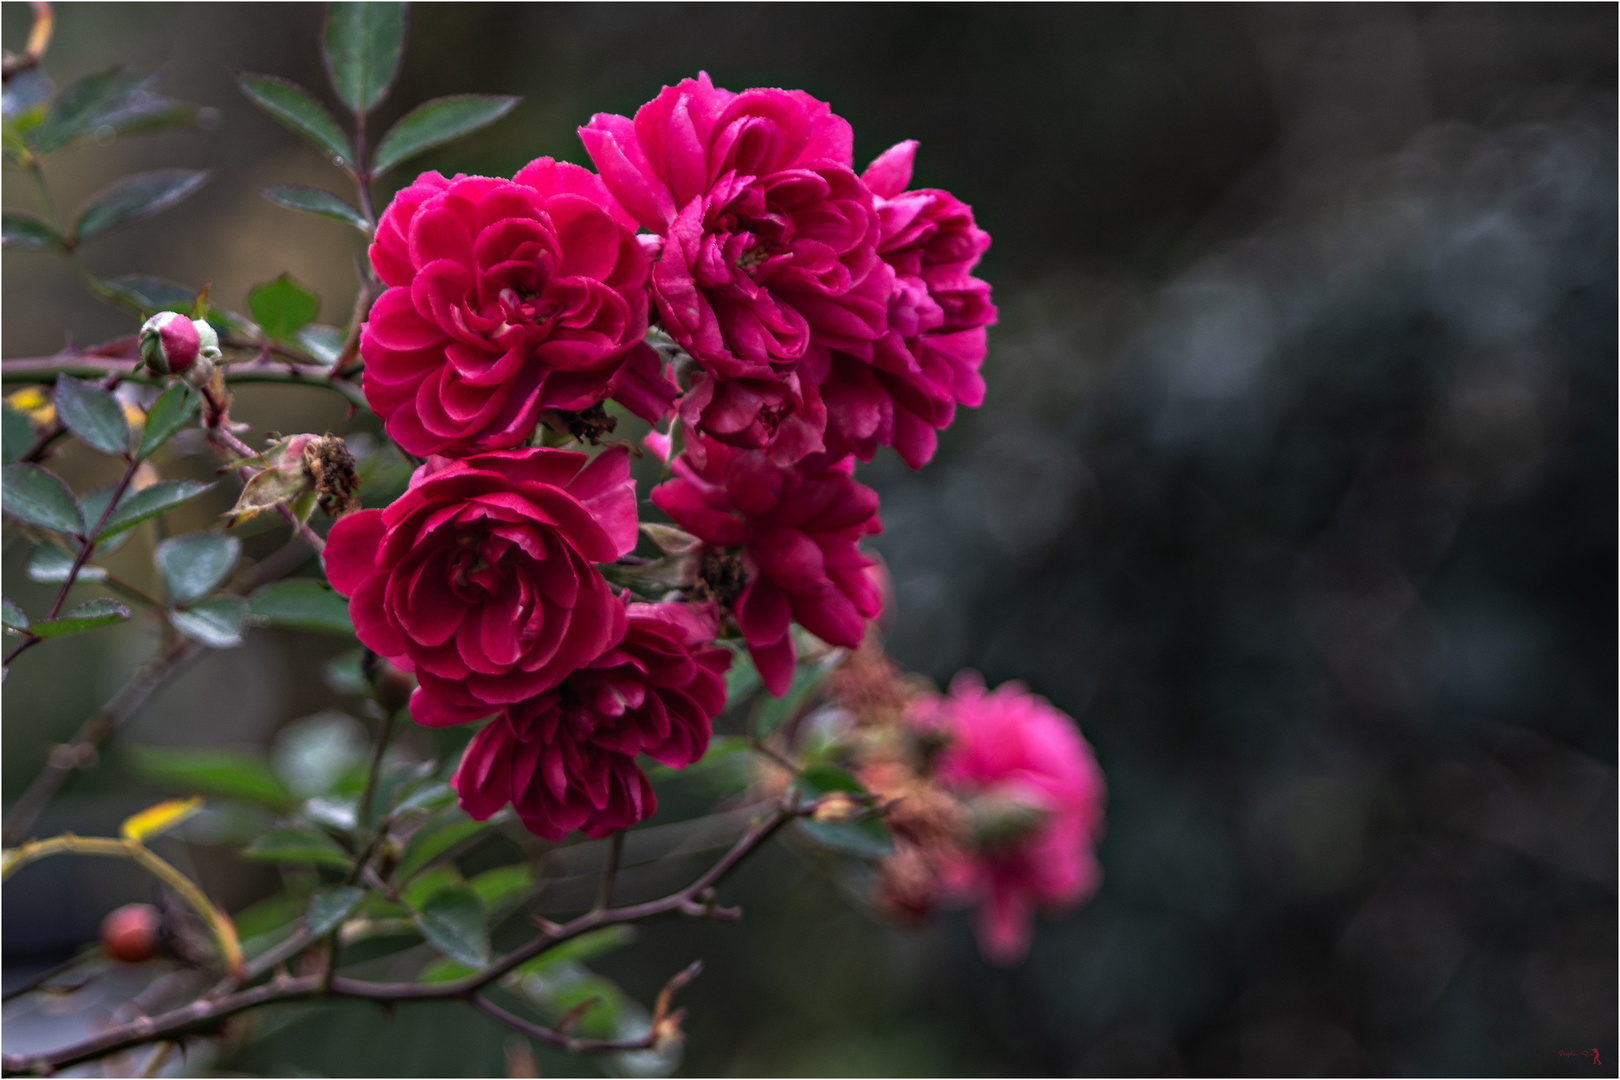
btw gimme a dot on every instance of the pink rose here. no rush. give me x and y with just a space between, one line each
1023 770
565 760
927 363
505 298
769 244
799 528
479 579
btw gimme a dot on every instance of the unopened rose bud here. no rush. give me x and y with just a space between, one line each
391 686
130 933
171 344
999 821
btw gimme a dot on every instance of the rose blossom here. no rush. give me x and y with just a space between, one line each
566 759
768 244
479 578
505 298
799 527
1012 756
927 363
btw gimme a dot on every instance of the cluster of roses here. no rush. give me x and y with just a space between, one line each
807 316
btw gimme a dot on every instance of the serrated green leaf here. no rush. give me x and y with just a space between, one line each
27 232
39 497
324 343
432 840
13 615
435 123
867 838
282 307
229 773
92 414
314 200
217 623
194 565
172 411
150 294
50 565
298 111
502 884
85 617
17 435
302 604
329 907
772 712
453 920
111 102
149 502
136 197
296 844
362 47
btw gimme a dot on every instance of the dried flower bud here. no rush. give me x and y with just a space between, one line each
336 482
171 344
130 933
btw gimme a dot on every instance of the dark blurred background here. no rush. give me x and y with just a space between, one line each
1295 486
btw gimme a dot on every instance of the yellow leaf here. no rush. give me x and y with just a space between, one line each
33 402
160 818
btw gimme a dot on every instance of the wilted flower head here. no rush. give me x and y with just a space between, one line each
1034 799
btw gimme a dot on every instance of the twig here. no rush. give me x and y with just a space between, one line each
207 1012
571 1043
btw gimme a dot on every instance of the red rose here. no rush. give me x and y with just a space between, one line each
479 578
507 297
565 760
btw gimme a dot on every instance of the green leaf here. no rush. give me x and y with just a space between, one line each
136 197
172 411
14 617
150 294
314 200
149 502
296 844
108 103
92 414
435 123
430 797
324 343
228 773
298 111
85 617
194 565
314 754
27 232
432 840
329 907
587 946
503 884
453 920
217 624
442 970
17 435
867 838
363 45
302 604
282 307
773 712
343 674
38 496
51 565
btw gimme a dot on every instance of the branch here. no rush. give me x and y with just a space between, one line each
81 752
99 361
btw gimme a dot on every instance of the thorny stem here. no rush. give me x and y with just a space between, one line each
207 1012
91 364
